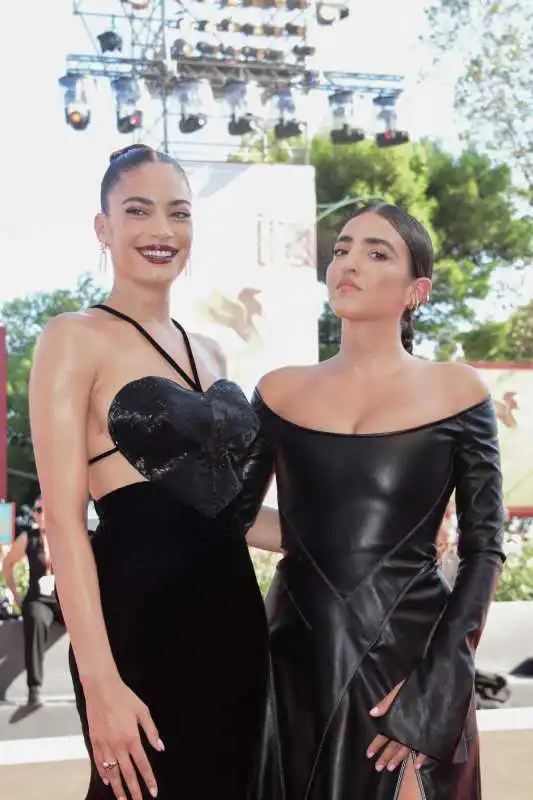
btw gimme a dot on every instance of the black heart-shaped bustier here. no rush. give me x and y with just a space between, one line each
195 442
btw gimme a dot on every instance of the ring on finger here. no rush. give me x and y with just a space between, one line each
111 764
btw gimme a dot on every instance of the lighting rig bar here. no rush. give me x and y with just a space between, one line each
218 71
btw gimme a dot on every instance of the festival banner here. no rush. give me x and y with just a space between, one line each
251 288
511 386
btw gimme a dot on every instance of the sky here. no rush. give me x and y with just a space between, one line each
51 174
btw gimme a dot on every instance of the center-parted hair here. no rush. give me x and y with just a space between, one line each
420 247
128 159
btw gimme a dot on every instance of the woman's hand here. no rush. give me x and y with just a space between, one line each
392 753
114 715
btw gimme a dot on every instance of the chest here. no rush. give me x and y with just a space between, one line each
364 407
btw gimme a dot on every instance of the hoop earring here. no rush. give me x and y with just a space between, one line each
102 261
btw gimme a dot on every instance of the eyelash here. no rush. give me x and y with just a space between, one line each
134 212
340 251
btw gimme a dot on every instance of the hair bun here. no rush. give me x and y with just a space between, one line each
128 149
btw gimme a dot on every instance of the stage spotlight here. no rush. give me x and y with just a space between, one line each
252 53
77 112
252 30
138 5
196 100
388 117
272 30
329 13
273 55
129 118
229 52
284 104
127 94
180 49
391 138
110 42
343 131
303 51
244 101
294 30
205 26
229 26
207 49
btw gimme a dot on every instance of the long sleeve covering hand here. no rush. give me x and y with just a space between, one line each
257 475
429 712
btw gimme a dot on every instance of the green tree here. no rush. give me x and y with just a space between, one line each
495 88
24 318
511 340
468 204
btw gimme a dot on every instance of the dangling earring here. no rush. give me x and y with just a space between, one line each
102 263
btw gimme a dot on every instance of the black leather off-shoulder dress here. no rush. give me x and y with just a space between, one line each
358 604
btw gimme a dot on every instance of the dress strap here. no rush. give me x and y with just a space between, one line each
194 382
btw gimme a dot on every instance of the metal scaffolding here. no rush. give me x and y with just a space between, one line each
148 29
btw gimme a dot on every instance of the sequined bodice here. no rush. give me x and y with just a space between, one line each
193 441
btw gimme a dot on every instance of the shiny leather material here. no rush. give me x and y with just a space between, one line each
358 603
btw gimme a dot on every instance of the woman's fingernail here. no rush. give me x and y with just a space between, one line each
375 711
391 767
153 791
418 766
379 767
106 782
369 753
160 746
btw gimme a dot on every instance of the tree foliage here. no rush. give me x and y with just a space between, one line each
496 86
511 340
24 318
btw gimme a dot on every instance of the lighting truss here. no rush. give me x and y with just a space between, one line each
215 49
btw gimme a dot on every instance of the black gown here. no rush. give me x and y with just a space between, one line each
358 603
182 607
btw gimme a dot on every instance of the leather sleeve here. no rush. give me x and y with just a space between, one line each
258 473
430 710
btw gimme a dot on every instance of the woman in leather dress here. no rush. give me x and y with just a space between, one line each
372 656
169 638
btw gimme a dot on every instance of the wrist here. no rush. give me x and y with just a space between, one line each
95 679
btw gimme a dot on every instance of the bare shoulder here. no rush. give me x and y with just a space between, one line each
73 337
280 384
461 383
78 324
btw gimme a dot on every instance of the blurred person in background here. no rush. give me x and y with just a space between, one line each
372 653
169 654
39 606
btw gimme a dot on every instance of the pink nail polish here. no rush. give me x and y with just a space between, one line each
160 746
374 712
370 753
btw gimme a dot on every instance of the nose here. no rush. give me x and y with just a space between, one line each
162 228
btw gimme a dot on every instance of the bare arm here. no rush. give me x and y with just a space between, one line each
265 533
16 554
61 381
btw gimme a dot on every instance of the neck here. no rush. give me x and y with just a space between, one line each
144 305
372 347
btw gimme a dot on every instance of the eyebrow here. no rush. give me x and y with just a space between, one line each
368 240
147 202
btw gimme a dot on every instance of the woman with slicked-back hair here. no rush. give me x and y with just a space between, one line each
372 685
168 631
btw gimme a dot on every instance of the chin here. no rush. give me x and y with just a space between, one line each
346 309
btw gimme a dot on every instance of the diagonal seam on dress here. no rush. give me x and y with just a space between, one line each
355 669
